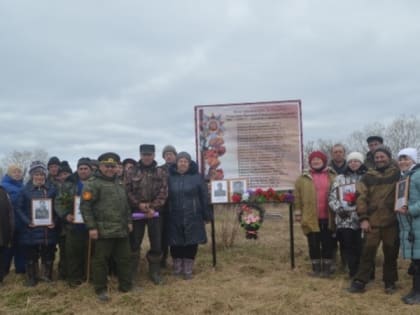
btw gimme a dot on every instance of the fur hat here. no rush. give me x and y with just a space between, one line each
37 166
355 156
409 152
318 154
84 161
168 148
147 148
65 167
375 138
184 155
53 161
384 149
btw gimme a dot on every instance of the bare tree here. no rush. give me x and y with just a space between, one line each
24 158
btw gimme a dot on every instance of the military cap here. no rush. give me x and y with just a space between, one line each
109 158
147 148
375 138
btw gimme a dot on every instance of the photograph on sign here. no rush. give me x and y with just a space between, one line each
219 191
42 212
259 141
237 186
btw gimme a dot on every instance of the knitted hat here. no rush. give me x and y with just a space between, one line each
53 161
355 156
168 148
65 167
318 154
409 152
37 166
129 161
384 149
84 161
375 138
184 155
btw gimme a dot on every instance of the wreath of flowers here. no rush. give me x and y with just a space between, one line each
259 195
250 217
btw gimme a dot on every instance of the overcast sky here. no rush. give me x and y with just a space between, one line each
86 77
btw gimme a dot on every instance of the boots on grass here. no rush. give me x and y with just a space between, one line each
46 271
316 268
188 265
415 297
327 269
177 266
154 273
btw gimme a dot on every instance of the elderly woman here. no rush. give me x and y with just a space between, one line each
409 220
37 239
343 203
188 212
12 182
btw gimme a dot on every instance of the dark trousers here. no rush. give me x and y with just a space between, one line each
2 269
154 233
16 254
34 252
62 262
119 250
351 244
76 255
390 248
164 236
188 251
320 243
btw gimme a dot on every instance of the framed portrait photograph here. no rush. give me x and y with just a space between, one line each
347 194
42 212
401 193
219 191
77 214
237 186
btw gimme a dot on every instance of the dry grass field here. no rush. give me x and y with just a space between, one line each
252 277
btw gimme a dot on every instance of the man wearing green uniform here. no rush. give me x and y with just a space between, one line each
107 216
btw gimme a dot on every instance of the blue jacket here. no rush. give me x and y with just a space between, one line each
188 207
411 221
36 235
13 188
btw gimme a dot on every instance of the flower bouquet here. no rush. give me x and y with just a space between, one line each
250 217
259 196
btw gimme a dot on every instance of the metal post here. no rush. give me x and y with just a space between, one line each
292 237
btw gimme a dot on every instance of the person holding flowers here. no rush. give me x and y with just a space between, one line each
342 200
312 211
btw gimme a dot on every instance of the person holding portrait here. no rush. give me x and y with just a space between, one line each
188 213
342 200
37 240
409 220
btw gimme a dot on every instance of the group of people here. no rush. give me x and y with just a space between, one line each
97 217
352 201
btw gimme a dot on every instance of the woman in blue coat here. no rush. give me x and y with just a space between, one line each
188 213
409 220
37 240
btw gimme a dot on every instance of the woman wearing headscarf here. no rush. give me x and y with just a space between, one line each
343 203
188 212
37 241
409 220
312 211
12 182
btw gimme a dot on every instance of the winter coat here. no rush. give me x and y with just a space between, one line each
376 196
306 202
6 219
188 207
40 235
104 206
345 212
13 188
411 221
148 184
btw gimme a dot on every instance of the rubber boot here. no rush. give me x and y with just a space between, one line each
154 273
415 298
327 270
316 268
188 265
31 274
178 265
46 271
410 294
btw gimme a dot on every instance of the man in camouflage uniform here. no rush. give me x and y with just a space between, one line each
76 233
107 216
147 188
169 155
378 221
